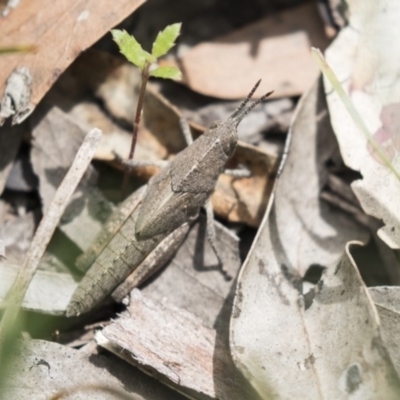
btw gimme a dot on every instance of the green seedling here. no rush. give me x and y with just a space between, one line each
147 63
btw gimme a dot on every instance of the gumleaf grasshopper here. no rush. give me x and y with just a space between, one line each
171 200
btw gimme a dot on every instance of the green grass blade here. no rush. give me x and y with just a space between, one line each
330 75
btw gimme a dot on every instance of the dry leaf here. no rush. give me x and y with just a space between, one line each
363 59
387 303
310 231
17 234
2 250
43 369
56 139
328 342
326 339
60 34
49 292
276 49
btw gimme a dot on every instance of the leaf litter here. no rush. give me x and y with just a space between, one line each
59 40
268 42
362 58
299 284
335 323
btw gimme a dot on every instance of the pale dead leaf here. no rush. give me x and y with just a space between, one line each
326 339
56 139
387 303
6 212
41 370
310 232
49 292
327 342
275 49
17 234
2 250
60 34
363 59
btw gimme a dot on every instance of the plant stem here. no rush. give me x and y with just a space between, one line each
136 124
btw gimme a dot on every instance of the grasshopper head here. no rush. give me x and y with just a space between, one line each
227 130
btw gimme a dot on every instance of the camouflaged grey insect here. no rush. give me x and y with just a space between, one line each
172 198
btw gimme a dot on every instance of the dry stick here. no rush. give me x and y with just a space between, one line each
46 229
136 125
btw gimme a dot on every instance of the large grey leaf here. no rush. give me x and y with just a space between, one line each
320 344
365 62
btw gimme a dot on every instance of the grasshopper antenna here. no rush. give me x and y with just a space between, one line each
252 105
246 100
242 111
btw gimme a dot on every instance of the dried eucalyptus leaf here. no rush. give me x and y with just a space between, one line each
387 302
41 370
49 292
291 342
363 60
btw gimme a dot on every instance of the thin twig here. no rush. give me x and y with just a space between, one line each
136 124
45 231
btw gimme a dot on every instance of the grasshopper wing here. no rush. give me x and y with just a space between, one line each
111 227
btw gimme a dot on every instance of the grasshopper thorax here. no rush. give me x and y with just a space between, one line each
226 130
226 133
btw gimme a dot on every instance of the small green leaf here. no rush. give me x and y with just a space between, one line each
166 73
131 48
165 40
